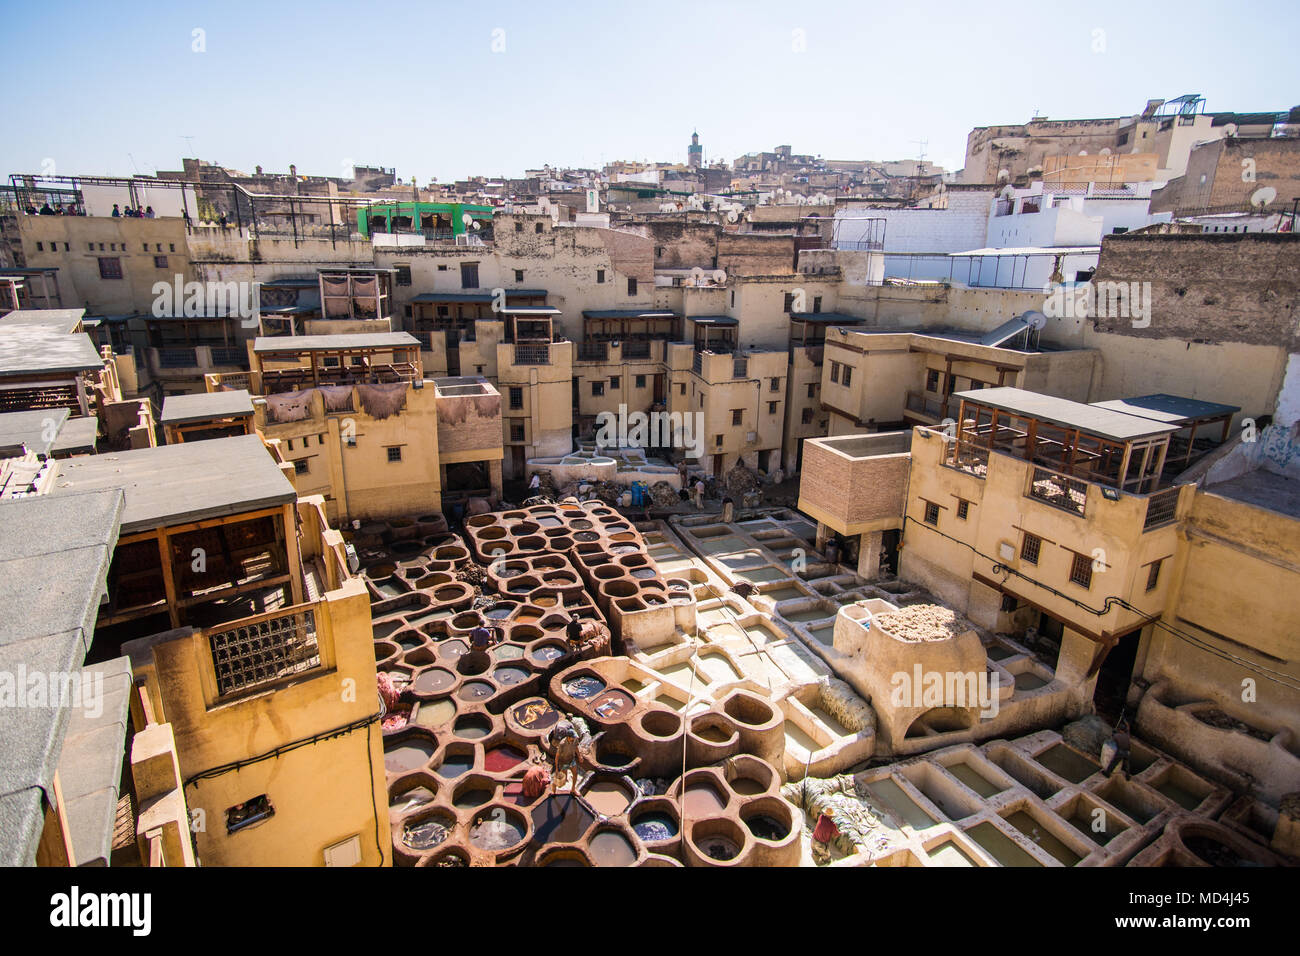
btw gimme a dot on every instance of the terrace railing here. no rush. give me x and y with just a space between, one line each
1059 491
263 649
532 355
1161 508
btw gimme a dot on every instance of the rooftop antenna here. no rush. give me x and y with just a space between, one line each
189 141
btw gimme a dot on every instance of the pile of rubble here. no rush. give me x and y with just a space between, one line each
741 481
664 495
919 623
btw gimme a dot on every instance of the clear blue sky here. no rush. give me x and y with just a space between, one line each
100 88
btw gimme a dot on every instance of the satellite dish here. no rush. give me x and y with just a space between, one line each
1230 130
1083 152
1035 319
1262 196
1104 151
697 275
732 215
720 276
466 218
476 224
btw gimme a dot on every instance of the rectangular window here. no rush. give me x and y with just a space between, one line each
812 389
787 305
774 385
600 275
395 453
516 397
737 416
160 262
245 814
771 408
848 375
1030 547
717 441
538 228
817 303
1081 570
640 381
516 431
681 388
110 267
597 388
469 275
931 513
40 247
614 381
963 509
932 380
631 285
806 416
403 275
519 275
835 371
171 247
519 227
1153 574
300 466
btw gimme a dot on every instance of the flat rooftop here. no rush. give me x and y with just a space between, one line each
29 431
179 409
178 484
301 344
44 348
1170 409
58 320
54 558
1262 489
1103 422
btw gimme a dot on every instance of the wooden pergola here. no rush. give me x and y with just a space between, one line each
624 325
362 358
203 522
1080 441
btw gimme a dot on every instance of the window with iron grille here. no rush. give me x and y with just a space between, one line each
788 304
848 375
932 380
774 385
835 371
614 381
403 275
1153 574
160 262
817 303
597 388
395 453
263 649
1081 570
516 397
516 431
110 267
963 508
631 285
300 466
519 275
469 275
640 381
931 513
1029 548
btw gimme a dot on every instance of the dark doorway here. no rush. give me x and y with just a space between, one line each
1115 675
717 466
889 551
659 389
516 461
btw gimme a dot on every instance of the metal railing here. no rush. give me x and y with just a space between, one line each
263 649
1161 508
177 358
532 355
1059 491
636 350
593 352
224 356
697 363
918 402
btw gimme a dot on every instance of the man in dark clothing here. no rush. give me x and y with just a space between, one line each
1123 742
116 213
574 629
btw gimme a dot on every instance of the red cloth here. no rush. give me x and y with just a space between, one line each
826 830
